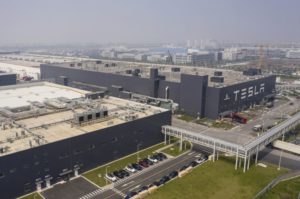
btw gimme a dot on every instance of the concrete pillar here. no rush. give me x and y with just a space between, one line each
181 140
165 138
245 162
214 153
256 156
248 162
236 159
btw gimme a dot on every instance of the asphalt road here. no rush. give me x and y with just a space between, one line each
272 156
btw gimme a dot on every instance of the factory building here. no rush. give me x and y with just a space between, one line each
51 133
7 79
202 92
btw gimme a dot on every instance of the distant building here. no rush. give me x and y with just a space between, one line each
182 58
233 54
293 54
141 57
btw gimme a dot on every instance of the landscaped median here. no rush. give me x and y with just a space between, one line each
219 179
97 175
34 195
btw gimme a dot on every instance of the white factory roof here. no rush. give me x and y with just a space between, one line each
17 96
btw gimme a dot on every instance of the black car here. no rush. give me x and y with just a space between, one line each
144 188
158 157
183 168
173 174
193 164
137 166
163 156
164 179
149 162
130 195
118 174
156 183
124 173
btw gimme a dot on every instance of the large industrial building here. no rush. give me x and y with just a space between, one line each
7 78
202 92
50 133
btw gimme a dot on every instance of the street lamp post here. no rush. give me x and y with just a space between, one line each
279 163
106 174
137 151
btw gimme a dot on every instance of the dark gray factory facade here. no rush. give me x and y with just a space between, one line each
20 171
8 79
192 93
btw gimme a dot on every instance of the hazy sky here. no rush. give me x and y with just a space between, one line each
136 21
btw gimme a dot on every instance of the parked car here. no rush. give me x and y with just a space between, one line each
153 159
118 174
143 164
137 166
130 168
193 163
124 173
149 162
158 157
200 160
144 188
131 194
164 179
163 156
173 174
183 168
156 183
111 177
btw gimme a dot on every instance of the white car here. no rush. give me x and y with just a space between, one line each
200 160
152 159
111 177
130 169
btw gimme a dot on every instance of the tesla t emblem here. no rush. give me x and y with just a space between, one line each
227 97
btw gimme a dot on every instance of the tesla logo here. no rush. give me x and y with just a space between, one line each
246 92
227 97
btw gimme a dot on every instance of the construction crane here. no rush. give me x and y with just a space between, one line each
262 56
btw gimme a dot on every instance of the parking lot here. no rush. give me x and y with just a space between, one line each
82 189
70 190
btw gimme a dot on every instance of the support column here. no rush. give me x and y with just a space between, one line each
169 139
214 153
236 159
256 156
245 162
248 165
165 138
181 140
217 155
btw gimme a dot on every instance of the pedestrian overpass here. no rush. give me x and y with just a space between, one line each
241 152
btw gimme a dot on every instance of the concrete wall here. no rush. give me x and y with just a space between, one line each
20 170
